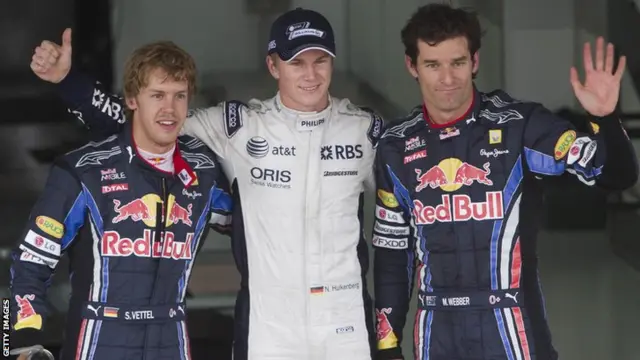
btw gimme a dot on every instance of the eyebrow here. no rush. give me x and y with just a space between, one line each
461 58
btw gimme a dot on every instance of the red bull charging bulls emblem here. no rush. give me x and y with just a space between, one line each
144 209
450 175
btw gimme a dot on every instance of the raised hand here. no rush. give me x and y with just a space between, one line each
52 62
600 91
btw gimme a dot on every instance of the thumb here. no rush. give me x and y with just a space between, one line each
575 82
66 39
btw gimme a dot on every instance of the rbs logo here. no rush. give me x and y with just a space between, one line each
341 152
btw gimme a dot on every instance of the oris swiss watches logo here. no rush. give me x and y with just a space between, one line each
257 147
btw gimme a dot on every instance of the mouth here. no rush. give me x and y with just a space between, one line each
168 125
310 88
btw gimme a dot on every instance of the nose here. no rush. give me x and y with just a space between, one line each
169 104
446 75
309 72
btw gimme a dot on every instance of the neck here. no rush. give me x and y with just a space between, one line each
445 117
144 142
291 104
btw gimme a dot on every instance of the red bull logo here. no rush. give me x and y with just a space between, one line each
451 174
144 209
25 309
27 316
114 245
384 332
460 208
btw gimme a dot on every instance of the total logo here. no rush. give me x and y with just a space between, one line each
273 178
113 244
258 147
341 152
144 209
451 173
460 208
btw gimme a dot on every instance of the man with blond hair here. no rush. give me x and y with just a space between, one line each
130 211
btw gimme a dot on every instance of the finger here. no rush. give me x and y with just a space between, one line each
586 57
600 53
49 45
35 67
66 39
622 65
43 65
45 55
574 80
608 63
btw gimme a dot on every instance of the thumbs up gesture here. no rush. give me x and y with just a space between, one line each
52 62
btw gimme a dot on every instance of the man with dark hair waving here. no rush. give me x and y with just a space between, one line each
131 212
458 196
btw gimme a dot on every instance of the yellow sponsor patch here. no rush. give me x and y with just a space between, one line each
50 226
564 144
388 199
595 127
495 136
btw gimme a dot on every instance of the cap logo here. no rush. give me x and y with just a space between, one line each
302 29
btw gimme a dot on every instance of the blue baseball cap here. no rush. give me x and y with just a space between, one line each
299 30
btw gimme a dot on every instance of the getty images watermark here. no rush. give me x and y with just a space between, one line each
5 327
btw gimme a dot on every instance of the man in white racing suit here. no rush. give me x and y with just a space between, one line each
299 164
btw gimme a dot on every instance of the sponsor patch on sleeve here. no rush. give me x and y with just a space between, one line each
42 243
564 144
389 243
388 215
232 117
388 199
50 226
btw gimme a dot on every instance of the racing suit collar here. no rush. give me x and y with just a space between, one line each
468 115
182 169
305 121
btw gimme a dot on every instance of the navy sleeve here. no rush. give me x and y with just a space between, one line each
394 259
221 207
88 100
604 157
52 226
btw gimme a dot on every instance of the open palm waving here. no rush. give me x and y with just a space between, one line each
601 89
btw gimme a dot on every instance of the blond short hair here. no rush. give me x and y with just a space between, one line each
177 64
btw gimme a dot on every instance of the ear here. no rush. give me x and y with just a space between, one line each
476 62
410 66
132 104
272 67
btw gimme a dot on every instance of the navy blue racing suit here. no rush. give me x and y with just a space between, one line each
131 233
457 210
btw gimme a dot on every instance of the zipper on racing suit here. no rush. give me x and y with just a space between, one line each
161 211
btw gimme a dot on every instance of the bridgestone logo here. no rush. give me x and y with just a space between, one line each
341 173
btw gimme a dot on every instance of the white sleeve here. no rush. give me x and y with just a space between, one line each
215 126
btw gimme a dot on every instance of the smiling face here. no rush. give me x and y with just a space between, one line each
445 74
304 80
159 111
159 79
